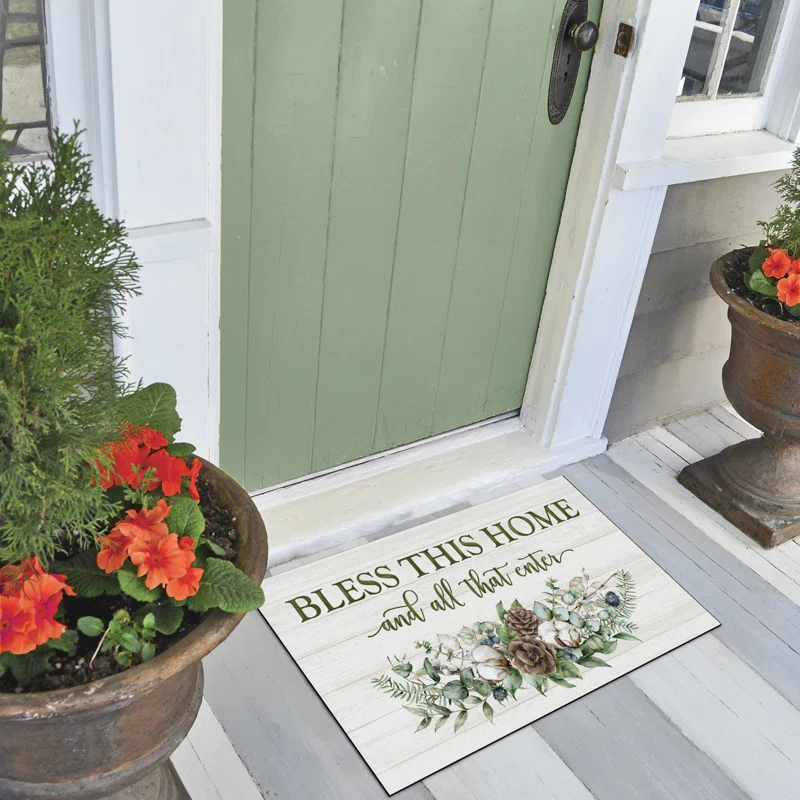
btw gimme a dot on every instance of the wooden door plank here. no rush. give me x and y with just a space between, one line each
379 43
517 63
297 81
450 63
239 45
537 226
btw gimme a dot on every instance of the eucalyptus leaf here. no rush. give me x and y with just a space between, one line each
512 682
403 670
592 661
439 722
423 724
577 620
467 677
455 691
419 712
431 671
460 720
488 711
542 611
561 682
626 637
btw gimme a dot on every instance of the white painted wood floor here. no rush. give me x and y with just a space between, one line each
717 718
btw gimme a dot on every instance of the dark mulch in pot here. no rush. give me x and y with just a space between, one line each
736 265
75 670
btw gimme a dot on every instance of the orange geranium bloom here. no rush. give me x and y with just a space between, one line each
789 290
145 525
15 626
193 473
777 264
129 455
187 585
170 470
43 596
160 561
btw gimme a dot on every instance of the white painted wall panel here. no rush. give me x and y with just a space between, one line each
161 66
169 327
680 334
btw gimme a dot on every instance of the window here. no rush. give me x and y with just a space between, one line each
736 59
23 83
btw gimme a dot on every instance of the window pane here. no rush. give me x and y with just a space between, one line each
751 43
23 101
707 30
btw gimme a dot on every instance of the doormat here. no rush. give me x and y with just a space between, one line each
437 641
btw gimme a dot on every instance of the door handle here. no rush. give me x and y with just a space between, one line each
577 34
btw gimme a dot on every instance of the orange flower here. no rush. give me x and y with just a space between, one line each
789 290
43 596
160 561
145 525
129 455
186 586
170 470
186 543
777 264
193 473
15 626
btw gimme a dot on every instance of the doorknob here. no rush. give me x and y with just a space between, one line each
577 34
585 35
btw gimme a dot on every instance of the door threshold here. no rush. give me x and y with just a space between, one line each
399 489
418 446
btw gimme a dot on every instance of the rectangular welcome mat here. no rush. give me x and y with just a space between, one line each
434 642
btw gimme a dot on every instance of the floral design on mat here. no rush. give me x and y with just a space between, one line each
549 644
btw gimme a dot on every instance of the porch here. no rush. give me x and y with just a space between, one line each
716 718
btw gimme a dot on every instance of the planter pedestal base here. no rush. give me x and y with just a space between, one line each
755 485
161 784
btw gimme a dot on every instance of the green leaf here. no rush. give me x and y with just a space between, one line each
233 590
626 637
537 681
130 641
149 622
460 720
431 670
794 310
124 658
155 406
473 701
577 620
423 724
542 611
609 648
166 619
148 651
455 691
439 722
760 283
505 634
488 711
592 661
561 613
185 518
212 546
760 255
85 577
91 626
512 681
467 677
501 611
26 668
594 643
420 712
134 587
67 643
205 600
561 682
441 709
516 604
482 688
403 670
569 669
181 449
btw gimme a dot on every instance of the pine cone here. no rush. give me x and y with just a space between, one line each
533 656
522 623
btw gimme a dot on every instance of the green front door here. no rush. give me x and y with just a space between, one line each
392 189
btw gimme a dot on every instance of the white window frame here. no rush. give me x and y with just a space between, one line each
703 116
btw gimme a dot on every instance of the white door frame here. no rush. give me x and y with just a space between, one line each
604 242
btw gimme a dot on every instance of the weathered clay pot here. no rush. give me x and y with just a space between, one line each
756 484
112 738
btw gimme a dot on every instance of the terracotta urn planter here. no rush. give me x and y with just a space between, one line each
756 484
112 738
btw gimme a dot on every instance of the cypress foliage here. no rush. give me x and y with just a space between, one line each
783 230
66 274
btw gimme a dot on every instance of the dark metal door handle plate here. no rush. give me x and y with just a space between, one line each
577 34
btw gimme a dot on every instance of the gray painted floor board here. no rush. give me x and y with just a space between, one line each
623 748
646 735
